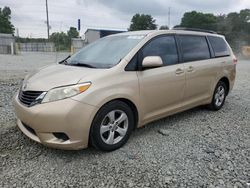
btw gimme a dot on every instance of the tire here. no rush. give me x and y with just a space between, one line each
219 96
112 126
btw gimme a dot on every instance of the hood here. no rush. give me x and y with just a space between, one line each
56 76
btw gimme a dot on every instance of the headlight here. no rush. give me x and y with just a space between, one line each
65 92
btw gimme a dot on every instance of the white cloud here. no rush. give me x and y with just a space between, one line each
30 18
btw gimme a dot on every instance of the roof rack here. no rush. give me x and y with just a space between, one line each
194 29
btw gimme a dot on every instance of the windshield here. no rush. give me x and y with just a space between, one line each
105 52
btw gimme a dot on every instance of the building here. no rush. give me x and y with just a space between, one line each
92 35
77 44
7 43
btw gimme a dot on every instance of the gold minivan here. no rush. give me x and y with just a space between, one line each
99 95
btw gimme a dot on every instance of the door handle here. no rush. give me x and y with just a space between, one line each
179 71
190 69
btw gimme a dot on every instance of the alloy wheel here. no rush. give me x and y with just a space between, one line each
219 96
114 127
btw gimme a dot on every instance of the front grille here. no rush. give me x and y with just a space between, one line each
29 97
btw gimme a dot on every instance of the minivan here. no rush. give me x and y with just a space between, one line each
99 95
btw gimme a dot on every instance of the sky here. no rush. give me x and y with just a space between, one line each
29 16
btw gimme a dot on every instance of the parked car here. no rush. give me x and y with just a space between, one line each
121 82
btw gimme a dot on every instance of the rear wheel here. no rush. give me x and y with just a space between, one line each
112 126
219 96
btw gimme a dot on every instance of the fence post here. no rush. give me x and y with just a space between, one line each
17 48
12 48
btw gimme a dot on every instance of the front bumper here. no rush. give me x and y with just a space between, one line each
42 121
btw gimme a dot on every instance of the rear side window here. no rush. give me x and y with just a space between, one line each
165 47
194 48
219 46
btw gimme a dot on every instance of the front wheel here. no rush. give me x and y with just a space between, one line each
112 126
219 96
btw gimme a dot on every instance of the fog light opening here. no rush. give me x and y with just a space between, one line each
61 136
32 131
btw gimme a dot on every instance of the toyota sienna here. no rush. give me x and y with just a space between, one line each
100 94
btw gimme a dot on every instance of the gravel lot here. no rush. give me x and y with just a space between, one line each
196 148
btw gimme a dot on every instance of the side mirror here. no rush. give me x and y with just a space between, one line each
152 62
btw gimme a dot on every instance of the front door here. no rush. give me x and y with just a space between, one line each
162 88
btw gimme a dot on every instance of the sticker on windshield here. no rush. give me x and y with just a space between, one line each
137 37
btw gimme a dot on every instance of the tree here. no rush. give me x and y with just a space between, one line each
6 12
72 32
61 40
198 20
221 25
142 22
5 24
177 26
234 26
164 27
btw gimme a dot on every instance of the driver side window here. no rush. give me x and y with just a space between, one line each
165 47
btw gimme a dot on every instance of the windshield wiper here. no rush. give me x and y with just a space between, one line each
82 65
65 60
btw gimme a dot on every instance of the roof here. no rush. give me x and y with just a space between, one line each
194 29
109 30
171 31
141 32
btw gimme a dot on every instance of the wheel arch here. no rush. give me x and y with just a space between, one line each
132 106
226 81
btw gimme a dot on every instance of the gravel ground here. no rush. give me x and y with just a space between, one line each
196 148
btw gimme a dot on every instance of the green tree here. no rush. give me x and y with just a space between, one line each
72 32
221 25
164 27
61 40
6 12
142 22
5 24
236 28
176 26
198 20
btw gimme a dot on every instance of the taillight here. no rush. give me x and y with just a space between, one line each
235 61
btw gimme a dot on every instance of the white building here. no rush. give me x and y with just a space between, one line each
7 43
92 35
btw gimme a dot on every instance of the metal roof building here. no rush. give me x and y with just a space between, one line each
92 35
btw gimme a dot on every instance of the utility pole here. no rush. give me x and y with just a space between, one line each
47 18
17 33
169 9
